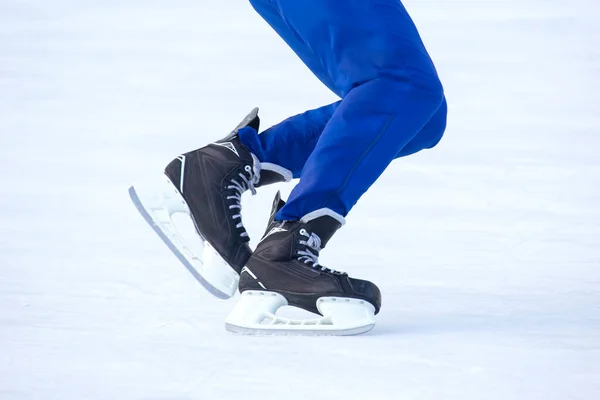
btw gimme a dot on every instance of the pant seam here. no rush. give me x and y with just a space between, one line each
358 162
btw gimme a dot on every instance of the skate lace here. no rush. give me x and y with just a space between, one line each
313 241
240 186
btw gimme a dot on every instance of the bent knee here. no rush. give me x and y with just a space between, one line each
436 127
399 96
426 82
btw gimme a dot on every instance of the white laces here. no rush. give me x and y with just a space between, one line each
245 183
313 241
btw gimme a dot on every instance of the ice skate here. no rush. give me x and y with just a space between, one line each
194 207
284 270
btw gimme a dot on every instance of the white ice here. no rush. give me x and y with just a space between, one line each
486 248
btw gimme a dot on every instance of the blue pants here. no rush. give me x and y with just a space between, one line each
370 54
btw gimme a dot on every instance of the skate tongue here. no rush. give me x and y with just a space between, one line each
252 120
277 205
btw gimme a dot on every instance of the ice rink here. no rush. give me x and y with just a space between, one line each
486 248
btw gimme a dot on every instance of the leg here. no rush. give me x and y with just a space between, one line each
390 91
291 142
356 146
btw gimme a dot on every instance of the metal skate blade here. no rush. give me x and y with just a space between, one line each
209 280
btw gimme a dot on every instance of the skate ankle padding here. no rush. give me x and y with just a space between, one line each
323 222
322 212
272 173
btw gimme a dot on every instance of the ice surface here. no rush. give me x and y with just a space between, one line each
487 248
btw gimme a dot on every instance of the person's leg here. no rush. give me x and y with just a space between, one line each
290 142
378 64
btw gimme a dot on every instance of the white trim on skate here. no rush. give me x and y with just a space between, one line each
255 314
163 207
247 270
274 230
284 172
182 171
227 145
322 212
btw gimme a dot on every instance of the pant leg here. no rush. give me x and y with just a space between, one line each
374 56
291 142
354 149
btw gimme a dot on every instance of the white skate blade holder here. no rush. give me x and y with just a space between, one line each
165 210
256 310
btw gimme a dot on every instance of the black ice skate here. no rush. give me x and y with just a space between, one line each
195 207
284 270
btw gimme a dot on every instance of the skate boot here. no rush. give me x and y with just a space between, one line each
284 270
195 207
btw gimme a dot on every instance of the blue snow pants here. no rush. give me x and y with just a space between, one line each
370 54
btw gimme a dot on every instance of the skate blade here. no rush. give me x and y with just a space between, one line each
255 314
159 202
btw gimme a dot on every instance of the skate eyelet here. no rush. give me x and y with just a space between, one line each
248 168
303 232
